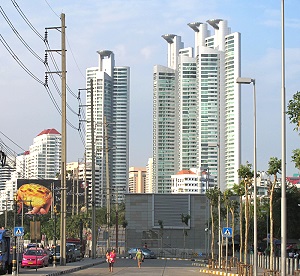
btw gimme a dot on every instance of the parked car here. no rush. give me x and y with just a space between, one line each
56 254
73 252
147 253
35 257
31 245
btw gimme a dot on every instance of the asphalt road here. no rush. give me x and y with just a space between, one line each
152 267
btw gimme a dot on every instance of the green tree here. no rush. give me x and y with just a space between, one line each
293 110
212 195
292 209
274 169
185 219
296 158
246 175
231 206
239 190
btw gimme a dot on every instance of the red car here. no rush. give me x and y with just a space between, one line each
35 257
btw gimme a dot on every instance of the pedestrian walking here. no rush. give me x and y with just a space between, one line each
107 258
139 257
112 259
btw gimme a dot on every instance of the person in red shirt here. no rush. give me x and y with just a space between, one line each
112 259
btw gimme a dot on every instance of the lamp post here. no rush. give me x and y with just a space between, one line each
283 150
249 81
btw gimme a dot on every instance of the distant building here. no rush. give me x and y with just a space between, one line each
196 106
149 177
43 160
6 171
191 181
111 90
137 180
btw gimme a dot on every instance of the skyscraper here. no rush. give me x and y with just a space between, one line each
111 87
196 106
42 161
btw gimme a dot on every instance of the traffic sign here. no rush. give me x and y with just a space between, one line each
18 231
227 232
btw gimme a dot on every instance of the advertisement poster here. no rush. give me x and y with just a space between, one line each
39 196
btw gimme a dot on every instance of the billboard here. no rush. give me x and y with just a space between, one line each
39 196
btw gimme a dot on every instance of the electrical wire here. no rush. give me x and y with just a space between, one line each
19 36
26 20
15 57
74 58
45 63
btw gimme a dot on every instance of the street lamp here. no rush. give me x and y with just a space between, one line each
249 81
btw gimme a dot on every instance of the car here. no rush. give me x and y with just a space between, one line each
35 257
147 253
56 254
73 252
31 245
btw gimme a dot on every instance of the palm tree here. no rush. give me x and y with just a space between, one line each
185 220
240 191
231 206
274 169
212 195
246 175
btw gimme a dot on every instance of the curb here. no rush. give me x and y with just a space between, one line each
173 259
217 272
161 258
73 269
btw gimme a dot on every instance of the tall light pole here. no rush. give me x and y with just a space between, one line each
249 81
283 150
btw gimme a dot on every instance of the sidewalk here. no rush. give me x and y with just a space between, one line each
58 270
217 271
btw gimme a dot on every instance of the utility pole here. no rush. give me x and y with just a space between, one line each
63 144
117 222
63 73
77 189
107 184
85 184
93 175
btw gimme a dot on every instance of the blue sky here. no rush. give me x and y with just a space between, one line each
132 29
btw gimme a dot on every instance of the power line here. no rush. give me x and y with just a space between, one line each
15 57
52 9
26 20
74 58
22 65
12 141
19 36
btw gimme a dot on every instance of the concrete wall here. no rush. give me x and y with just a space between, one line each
143 210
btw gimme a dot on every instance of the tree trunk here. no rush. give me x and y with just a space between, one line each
212 232
232 223
246 222
241 229
272 225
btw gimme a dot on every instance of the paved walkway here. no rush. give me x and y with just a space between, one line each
216 271
58 270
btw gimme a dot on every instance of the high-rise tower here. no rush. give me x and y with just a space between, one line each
196 116
111 85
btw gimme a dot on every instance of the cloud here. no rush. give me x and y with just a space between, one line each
147 52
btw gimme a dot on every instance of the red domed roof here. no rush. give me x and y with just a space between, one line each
185 172
49 131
